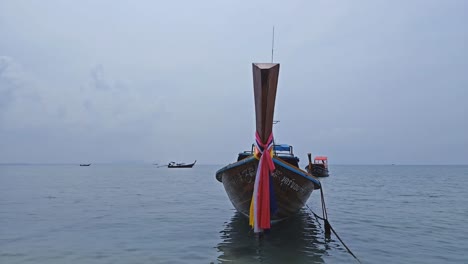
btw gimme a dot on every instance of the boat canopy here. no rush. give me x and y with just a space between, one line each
321 158
282 147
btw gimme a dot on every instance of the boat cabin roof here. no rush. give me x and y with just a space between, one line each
282 147
321 158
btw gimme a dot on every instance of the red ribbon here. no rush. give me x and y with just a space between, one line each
263 193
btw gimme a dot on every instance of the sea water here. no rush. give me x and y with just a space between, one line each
145 214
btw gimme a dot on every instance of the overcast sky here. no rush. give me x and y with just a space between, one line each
363 82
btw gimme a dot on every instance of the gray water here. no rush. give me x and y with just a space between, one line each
144 214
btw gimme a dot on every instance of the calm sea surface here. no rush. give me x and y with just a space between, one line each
144 214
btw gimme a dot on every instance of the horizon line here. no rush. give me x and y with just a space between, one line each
215 164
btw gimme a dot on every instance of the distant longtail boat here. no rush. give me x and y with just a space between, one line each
318 168
180 165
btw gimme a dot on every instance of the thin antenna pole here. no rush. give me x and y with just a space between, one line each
272 44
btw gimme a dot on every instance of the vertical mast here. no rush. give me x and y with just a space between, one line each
272 44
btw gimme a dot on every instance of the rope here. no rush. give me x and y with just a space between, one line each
316 215
327 224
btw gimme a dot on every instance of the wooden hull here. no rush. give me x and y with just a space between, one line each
181 166
292 186
317 170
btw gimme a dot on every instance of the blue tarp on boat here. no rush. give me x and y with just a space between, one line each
282 147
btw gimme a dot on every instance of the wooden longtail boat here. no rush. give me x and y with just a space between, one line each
318 168
290 187
180 165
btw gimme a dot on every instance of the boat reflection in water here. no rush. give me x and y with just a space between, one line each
297 239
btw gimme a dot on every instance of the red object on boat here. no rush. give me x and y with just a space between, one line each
321 158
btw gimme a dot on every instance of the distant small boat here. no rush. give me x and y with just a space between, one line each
319 166
85 165
172 164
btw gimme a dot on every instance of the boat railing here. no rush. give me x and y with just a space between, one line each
284 150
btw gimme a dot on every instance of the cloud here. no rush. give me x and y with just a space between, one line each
98 79
10 80
98 113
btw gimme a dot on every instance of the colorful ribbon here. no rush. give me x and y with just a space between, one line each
263 200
